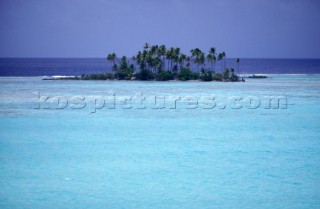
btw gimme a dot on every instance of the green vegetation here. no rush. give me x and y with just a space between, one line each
185 74
163 64
258 76
124 71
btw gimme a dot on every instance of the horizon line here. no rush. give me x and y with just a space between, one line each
130 57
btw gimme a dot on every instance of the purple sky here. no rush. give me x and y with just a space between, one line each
92 28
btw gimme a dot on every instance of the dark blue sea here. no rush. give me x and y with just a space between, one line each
79 66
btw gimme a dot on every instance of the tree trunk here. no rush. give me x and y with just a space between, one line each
221 66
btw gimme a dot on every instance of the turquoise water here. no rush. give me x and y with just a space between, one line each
123 157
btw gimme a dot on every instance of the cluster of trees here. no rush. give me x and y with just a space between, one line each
156 62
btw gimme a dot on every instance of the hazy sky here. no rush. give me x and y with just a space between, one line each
92 28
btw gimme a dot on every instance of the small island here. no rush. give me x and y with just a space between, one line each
159 63
258 76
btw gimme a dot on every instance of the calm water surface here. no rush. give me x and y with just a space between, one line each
160 158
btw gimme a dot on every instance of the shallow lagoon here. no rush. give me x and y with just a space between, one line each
160 158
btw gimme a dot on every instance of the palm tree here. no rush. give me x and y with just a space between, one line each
124 64
161 53
195 54
157 63
220 57
149 59
214 61
223 56
213 53
210 59
112 58
146 46
181 60
176 54
109 57
170 56
188 59
139 57
201 59
154 49
238 61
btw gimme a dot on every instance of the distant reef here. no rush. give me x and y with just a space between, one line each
258 76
